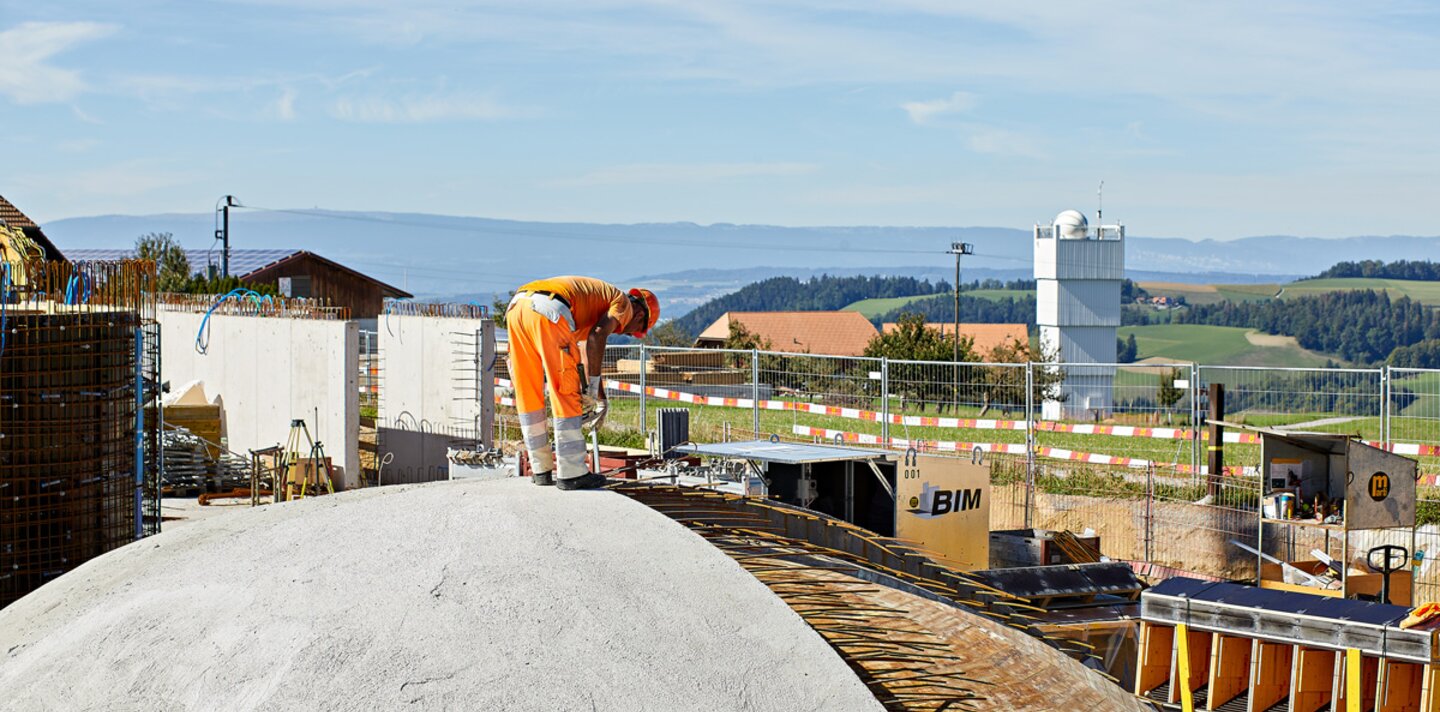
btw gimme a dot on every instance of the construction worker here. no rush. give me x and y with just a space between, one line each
546 319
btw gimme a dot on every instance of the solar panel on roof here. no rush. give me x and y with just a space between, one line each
242 262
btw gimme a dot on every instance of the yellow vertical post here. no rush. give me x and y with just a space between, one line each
1182 649
1353 699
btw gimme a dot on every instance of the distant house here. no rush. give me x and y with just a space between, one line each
986 336
295 273
837 333
12 216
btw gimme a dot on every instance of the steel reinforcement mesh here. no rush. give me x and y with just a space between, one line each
68 443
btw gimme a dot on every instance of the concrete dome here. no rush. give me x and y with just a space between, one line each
453 595
1071 225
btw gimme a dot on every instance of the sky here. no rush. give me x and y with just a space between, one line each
1203 120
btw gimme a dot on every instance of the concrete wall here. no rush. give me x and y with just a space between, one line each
429 393
270 370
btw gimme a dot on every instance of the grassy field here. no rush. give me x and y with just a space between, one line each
872 308
1211 293
1218 346
1424 292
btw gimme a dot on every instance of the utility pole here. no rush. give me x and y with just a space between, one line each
223 234
958 249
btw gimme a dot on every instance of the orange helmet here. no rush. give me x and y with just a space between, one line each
652 308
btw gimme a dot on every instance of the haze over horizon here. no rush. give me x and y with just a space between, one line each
1210 121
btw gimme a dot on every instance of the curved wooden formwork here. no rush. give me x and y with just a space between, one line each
921 636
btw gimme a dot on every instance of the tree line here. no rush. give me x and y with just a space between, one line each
1362 326
823 293
1416 270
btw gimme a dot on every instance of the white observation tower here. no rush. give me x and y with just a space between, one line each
1078 271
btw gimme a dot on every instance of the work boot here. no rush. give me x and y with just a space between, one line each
544 479
583 482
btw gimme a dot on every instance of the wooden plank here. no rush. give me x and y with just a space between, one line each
1312 679
1153 661
1229 669
1197 662
1269 675
1430 689
1185 676
1344 682
1400 684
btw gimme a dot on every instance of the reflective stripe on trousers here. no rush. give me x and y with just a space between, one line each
569 448
536 433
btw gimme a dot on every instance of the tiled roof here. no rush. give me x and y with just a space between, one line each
986 336
838 333
14 218
12 215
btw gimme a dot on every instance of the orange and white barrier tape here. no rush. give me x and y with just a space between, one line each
1007 448
1123 431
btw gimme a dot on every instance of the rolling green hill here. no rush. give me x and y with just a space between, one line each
1219 345
1423 292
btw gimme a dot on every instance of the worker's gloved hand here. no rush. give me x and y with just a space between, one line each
595 418
595 404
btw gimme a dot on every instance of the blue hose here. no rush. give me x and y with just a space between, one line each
202 337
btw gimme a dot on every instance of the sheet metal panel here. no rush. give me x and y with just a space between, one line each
1078 302
783 452
1379 489
1079 259
1285 617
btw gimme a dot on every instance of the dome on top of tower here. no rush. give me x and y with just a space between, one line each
1071 225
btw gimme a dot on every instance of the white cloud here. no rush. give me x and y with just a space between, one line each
24 74
284 107
927 112
422 109
668 173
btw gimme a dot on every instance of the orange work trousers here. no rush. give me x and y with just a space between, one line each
544 351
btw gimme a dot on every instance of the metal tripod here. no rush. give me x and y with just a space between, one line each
318 467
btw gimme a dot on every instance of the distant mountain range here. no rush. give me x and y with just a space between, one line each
471 259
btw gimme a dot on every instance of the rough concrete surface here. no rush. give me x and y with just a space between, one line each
475 595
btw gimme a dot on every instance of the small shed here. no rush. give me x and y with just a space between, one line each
301 273
1338 485
295 273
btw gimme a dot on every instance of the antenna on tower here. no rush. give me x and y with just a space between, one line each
1100 197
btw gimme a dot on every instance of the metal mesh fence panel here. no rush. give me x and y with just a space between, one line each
1413 416
1315 399
957 407
831 395
717 386
1134 415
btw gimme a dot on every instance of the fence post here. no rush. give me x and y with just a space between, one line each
755 390
1195 418
643 368
1385 408
1029 443
885 401
1149 512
